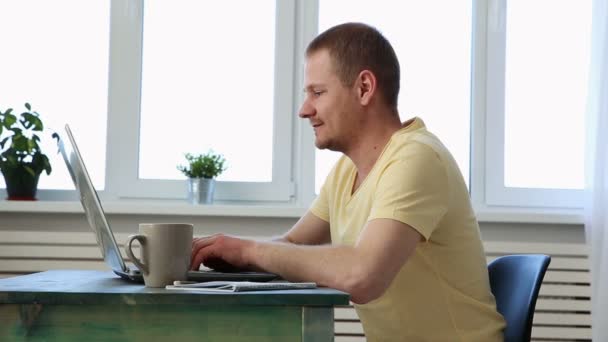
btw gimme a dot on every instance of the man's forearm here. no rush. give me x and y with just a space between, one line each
339 267
364 270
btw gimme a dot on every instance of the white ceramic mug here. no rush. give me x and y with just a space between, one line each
165 252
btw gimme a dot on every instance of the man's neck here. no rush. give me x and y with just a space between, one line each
371 143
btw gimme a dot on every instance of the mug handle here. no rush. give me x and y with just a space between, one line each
142 240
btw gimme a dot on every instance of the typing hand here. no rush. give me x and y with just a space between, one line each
220 252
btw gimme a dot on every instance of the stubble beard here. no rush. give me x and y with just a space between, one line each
327 145
321 145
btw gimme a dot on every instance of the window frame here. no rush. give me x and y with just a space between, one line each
496 193
123 122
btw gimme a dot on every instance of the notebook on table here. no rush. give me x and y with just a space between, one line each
239 286
105 237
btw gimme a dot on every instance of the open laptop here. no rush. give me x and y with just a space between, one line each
105 238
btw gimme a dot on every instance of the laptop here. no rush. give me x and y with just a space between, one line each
105 237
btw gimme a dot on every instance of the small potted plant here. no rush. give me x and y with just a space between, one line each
201 172
21 160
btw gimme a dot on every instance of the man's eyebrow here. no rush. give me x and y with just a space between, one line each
311 87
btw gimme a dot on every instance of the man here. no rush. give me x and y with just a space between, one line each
393 225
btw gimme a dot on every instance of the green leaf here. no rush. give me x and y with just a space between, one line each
27 105
56 137
32 145
46 165
20 143
9 120
38 126
16 131
25 123
31 121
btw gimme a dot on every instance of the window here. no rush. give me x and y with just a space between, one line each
212 78
501 83
58 62
432 40
536 102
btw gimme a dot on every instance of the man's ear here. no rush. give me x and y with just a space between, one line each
366 86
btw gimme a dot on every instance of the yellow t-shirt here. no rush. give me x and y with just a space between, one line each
442 293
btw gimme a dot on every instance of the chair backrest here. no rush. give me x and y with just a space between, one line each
515 281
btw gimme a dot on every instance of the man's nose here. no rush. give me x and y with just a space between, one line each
306 110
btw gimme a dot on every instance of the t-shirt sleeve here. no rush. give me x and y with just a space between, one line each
413 189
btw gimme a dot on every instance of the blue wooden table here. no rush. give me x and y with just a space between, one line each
88 306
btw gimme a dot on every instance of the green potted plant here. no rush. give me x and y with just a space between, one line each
201 172
21 160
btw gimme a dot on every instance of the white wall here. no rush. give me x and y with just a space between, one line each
267 226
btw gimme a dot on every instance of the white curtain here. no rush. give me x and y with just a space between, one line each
596 189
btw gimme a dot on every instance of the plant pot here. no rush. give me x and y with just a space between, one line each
20 184
201 190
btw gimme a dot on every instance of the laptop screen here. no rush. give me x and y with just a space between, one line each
90 201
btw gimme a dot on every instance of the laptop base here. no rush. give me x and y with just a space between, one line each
202 276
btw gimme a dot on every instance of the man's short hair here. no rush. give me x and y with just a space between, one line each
354 47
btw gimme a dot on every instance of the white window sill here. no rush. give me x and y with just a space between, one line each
179 208
530 215
155 208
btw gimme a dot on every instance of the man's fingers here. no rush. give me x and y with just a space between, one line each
203 238
197 257
202 249
202 243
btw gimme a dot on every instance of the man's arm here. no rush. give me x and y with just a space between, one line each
309 230
364 271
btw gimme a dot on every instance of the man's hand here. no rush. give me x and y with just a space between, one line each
220 252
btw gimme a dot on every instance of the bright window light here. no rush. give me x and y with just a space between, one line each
547 60
208 84
55 56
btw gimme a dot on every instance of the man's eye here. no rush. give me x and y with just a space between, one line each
317 93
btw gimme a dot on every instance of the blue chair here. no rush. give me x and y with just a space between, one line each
515 281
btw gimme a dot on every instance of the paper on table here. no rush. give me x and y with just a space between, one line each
238 286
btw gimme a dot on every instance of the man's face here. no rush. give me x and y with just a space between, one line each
328 104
